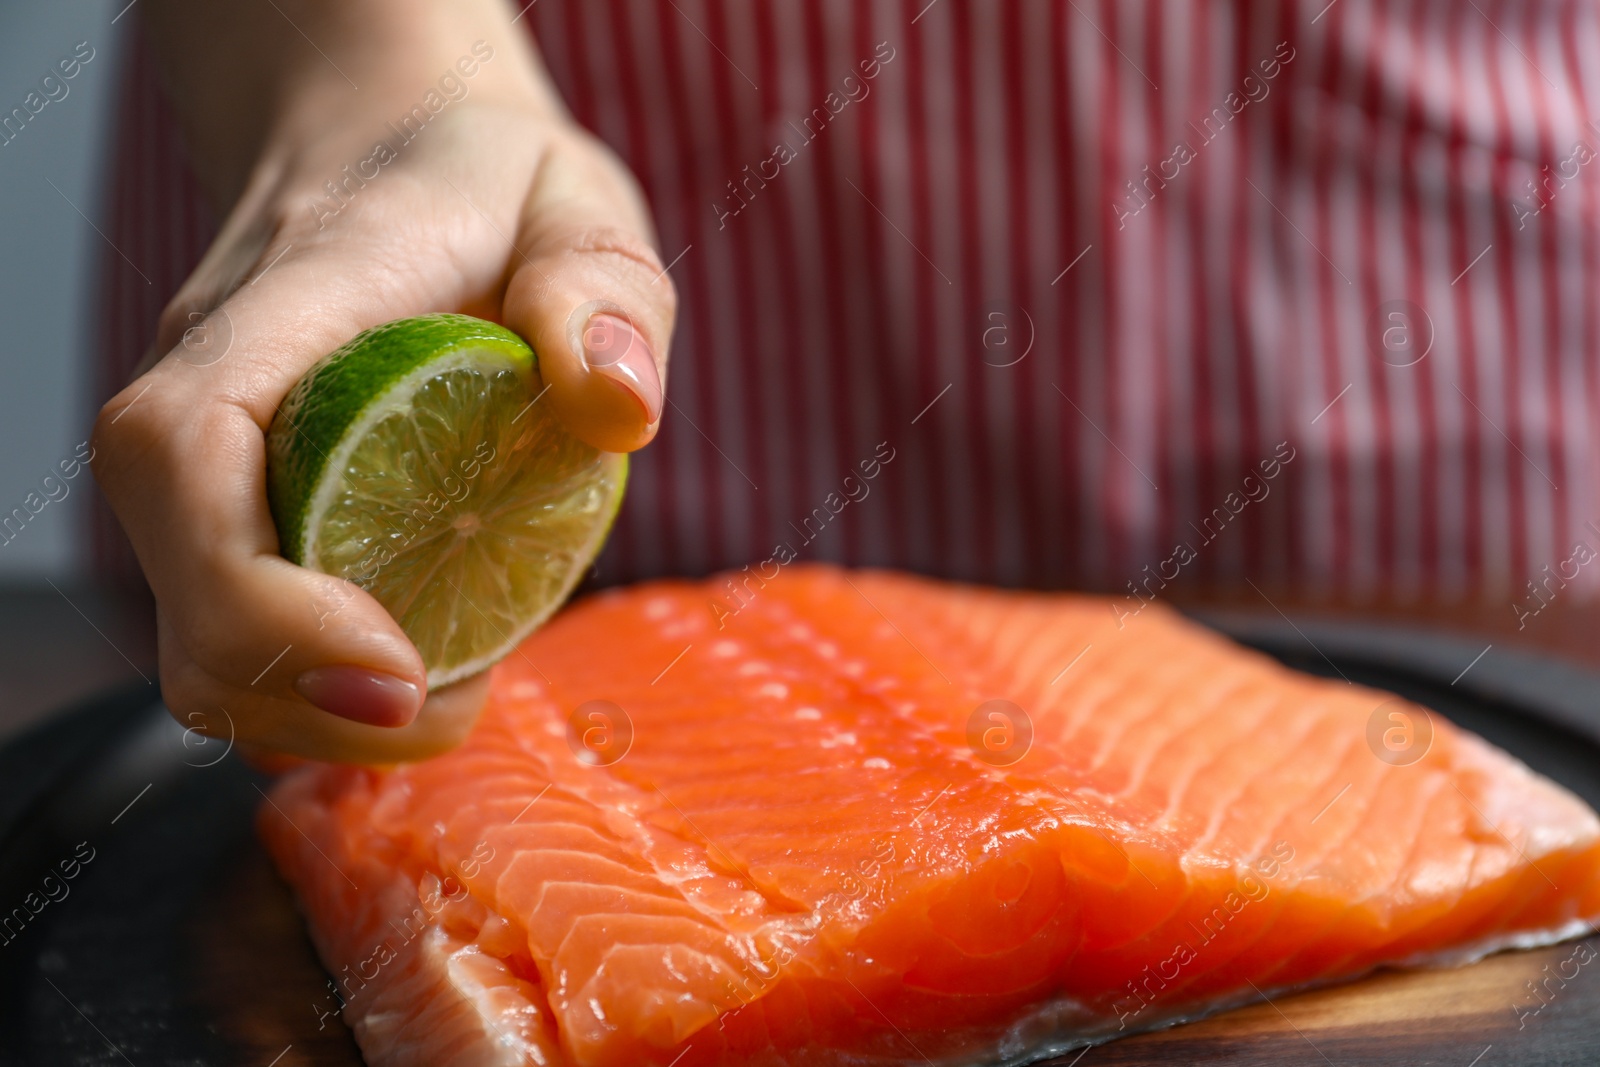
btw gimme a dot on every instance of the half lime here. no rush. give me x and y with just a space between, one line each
417 462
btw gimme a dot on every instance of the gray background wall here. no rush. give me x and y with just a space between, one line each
48 258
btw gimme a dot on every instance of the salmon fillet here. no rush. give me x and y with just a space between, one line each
800 830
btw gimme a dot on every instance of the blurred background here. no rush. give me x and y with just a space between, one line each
78 313
62 636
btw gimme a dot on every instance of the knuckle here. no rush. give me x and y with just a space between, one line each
622 250
145 437
621 261
616 241
122 431
625 255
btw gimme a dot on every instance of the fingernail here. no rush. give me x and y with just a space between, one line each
360 695
612 347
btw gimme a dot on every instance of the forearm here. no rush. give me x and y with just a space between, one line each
256 77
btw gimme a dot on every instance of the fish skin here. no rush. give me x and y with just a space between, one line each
800 860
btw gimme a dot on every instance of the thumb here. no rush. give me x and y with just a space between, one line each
589 293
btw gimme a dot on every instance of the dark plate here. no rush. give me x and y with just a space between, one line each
175 944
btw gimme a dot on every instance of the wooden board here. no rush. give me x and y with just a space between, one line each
1463 1017
1446 1017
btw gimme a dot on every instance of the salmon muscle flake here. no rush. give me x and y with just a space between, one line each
803 831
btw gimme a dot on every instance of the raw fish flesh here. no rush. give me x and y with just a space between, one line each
851 817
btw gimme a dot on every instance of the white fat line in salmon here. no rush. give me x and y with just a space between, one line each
1155 977
741 591
765 963
433 895
53 886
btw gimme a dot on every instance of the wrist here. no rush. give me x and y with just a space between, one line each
320 126
306 82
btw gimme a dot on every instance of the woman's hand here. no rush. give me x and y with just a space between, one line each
497 206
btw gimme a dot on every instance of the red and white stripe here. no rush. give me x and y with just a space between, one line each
1228 315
